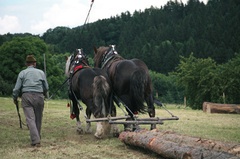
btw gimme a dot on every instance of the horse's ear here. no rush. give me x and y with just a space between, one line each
66 57
95 50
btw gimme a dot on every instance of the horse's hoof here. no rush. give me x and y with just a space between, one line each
136 127
79 131
127 129
98 136
88 131
153 127
116 134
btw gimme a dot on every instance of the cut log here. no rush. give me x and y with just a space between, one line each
173 145
221 108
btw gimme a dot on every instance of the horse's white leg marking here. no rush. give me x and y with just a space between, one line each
88 128
79 127
99 131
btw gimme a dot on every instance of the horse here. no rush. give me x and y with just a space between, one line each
130 81
92 87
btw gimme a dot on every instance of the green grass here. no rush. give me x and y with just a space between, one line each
222 127
60 139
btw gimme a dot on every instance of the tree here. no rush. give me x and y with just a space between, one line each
197 76
229 80
13 54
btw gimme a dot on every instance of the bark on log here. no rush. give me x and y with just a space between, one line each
175 146
221 108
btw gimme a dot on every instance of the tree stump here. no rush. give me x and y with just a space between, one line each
172 145
221 108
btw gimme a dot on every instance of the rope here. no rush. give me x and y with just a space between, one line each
165 108
59 88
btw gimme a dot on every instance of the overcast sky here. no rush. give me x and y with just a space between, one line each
37 16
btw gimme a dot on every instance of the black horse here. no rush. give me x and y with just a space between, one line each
91 85
130 80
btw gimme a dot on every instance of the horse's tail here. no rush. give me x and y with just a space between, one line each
138 83
101 91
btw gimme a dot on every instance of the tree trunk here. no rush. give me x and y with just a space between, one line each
175 146
221 108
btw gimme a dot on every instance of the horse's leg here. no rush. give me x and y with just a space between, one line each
127 103
77 114
88 113
114 127
102 128
99 130
151 108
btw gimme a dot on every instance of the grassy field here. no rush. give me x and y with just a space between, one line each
60 139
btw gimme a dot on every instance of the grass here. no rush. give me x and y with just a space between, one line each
60 139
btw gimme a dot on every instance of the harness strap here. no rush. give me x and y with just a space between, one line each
78 67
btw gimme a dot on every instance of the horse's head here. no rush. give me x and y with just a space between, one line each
102 53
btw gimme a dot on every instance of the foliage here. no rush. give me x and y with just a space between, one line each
161 37
13 54
196 75
229 80
204 80
166 88
56 75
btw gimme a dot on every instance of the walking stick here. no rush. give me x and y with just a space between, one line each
19 116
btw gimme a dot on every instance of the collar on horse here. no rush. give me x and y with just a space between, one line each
110 54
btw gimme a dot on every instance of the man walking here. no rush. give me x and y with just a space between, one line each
32 86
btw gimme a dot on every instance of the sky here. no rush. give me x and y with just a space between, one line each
37 16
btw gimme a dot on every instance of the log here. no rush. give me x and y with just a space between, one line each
172 145
221 108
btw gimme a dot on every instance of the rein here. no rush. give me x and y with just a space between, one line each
59 88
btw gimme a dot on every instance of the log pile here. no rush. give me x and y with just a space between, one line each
173 146
221 108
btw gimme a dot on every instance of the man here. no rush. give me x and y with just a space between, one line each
32 85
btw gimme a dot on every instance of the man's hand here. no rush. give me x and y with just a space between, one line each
15 101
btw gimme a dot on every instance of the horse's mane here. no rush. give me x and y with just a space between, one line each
67 66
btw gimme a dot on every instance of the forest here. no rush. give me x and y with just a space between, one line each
191 49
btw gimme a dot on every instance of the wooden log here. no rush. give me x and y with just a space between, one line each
221 108
172 145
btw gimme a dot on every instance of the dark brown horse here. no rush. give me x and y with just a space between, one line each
130 80
91 85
